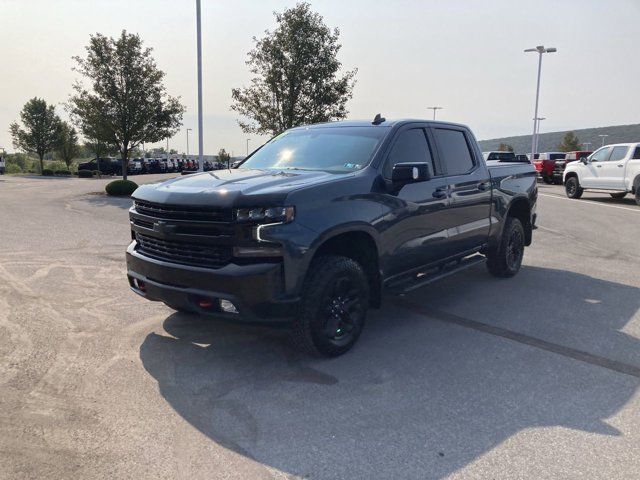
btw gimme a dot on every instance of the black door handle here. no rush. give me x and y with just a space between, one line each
440 193
483 186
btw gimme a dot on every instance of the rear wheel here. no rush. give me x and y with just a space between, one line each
618 195
333 307
547 179
572 188
505 261
557 181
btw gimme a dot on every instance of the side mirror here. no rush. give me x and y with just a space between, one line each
584 160
411 172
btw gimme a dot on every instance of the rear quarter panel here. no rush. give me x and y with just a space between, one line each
510 182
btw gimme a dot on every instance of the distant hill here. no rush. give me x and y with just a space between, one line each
548 141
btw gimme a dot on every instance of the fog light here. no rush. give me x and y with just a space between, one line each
227 306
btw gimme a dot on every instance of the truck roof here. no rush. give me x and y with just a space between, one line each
385 123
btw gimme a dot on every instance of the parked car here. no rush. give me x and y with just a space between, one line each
136 166
545 164
319 222
613 168
3 165
105 165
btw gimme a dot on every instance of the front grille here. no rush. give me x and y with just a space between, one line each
183 212
194 254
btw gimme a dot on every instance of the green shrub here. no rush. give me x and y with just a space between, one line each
85 173
55 165
47 172
121 187
13 168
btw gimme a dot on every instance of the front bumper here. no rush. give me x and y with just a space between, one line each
256 290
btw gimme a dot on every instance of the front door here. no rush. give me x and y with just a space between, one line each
469 185
612 171
414 224
592 176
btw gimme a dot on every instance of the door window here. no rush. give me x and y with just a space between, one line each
410 146
454 151
618 153
601 155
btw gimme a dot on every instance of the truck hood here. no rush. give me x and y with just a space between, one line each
231 188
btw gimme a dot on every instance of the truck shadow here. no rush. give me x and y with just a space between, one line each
417 397
101 199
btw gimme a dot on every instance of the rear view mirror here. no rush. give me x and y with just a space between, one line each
413 172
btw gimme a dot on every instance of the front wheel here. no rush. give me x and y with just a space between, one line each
618 195
333 307
572 188
505 261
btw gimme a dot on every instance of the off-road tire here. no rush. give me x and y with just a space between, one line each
547 179
572 188
310 325
505 260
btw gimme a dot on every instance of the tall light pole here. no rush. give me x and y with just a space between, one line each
248 139
188 130
434 110
537 129
199 35
540 49
603 137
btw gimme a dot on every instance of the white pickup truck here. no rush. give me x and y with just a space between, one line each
2 165
613 168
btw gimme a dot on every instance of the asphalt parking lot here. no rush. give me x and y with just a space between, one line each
473 377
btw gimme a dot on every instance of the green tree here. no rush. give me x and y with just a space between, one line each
41 132
295 75
570 143
68 147
127 103
224 157
98 148
505 147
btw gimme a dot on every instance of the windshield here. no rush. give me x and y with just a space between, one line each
333 149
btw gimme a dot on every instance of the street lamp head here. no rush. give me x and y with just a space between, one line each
551 50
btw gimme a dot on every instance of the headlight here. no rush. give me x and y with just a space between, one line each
265 215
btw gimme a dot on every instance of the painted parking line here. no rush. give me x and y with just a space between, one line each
587 202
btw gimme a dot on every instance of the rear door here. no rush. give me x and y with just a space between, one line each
469 186
612 171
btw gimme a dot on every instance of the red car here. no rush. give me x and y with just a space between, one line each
545 164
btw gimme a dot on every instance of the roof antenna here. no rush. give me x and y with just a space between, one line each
378 120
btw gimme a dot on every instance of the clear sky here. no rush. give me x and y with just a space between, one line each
466 56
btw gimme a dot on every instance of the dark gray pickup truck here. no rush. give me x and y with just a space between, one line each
318 223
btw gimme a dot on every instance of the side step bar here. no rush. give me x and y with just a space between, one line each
438 273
